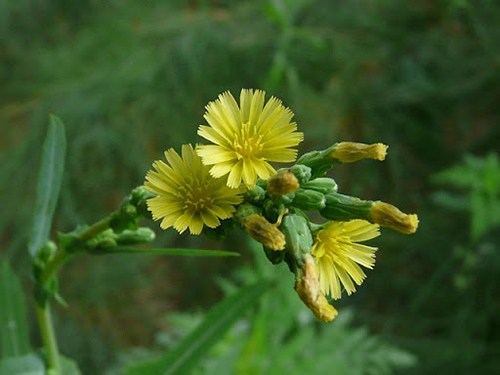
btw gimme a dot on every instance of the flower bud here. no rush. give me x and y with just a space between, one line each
282 183
298 238
349 152
309 200
302 172
255 196
263 231
308 289
322 184
344 207
344 152
141 235
387 215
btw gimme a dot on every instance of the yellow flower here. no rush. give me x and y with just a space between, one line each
338 254
188 197
247 137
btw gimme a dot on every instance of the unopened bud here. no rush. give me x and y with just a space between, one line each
139 236
263 231
307 287
342 207
322 184
309 200
255 196
387 215
349 152
302 172
298 238
282 183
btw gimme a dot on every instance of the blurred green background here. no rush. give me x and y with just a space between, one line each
131 79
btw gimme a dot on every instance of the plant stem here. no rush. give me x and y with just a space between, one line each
53 266
96 228
48 338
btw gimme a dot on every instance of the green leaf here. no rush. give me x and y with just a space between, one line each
49 183
68 366
29 364
184 357
13 324
183 252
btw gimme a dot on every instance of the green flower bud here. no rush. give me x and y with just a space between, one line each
141 235
302 172
298 238
343 208
103 240
322 184
244 210
256 196
309 200
46 252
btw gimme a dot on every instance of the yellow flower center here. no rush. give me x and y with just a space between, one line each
248 142
196 196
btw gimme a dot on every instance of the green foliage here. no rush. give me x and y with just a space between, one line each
28 364
13 323
49 184
480 178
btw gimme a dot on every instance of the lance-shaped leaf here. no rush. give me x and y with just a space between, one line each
13 324
185 356
49 183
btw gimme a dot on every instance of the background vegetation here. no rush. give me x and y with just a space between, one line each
130 79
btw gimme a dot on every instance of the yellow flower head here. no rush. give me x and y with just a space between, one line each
188 197
247 137
338 254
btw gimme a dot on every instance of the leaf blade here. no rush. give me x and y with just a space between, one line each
13 324
49 183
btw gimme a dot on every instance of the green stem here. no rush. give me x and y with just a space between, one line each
43 312
53 266
48 338
96 228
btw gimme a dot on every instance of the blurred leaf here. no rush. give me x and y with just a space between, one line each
13 325
29 364
49 183
69 366
191 350
183 252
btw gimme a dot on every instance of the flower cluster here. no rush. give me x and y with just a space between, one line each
231 181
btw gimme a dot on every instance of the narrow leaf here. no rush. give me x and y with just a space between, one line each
49 183
185 356
29 364
13 324
183 252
